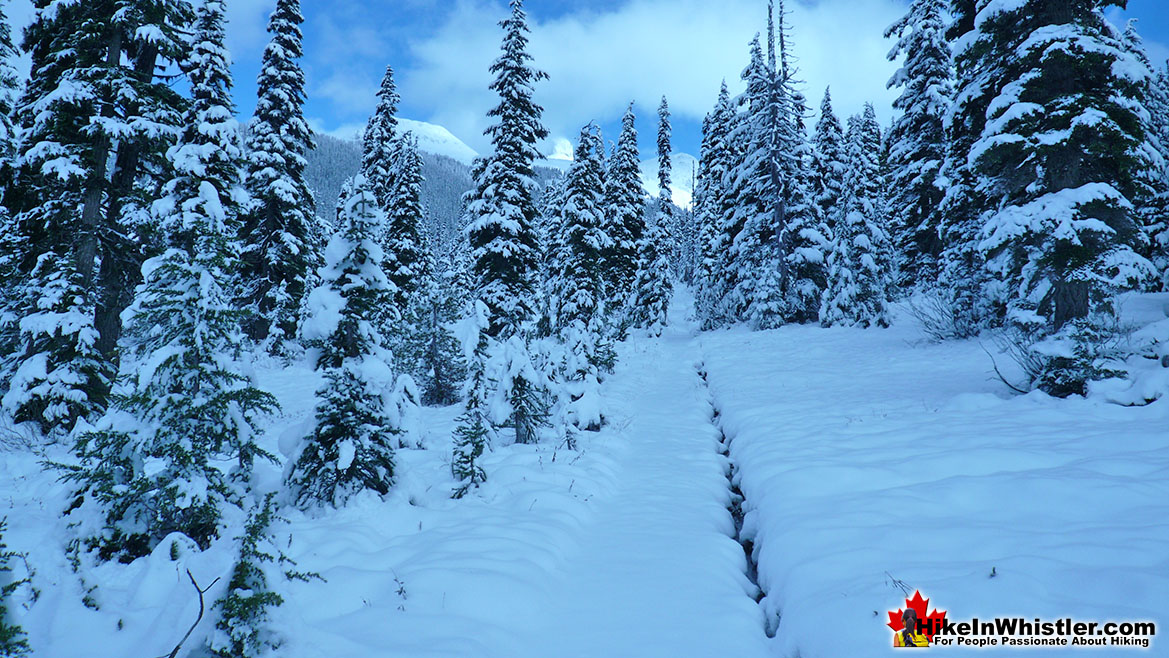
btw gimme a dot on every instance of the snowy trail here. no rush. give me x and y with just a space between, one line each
658 572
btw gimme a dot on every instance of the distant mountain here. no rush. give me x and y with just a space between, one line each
437 140
681 177
447 178
447 169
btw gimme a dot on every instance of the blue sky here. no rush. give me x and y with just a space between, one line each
601 55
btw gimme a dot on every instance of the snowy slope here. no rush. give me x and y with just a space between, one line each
681 177
435 139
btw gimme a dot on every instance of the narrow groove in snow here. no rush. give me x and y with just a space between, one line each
737 500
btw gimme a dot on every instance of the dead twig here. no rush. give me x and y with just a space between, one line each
178 647
998 372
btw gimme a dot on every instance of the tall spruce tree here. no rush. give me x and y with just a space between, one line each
97 115
9 90
1059 160
280 227
801 231
858 268
585 238
624 214
553 254
58 375
404 241
709 206
12 243
443 367
917 139
583 308
1158 213
1151 197
653 289
755 188
828 161
502 207
153 463
501 213
379 140
963 278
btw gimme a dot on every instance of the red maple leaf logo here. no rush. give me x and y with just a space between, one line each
919 606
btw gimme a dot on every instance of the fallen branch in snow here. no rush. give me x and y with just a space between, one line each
178 647
998 372
899 584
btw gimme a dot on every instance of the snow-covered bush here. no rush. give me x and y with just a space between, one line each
13 643
240 631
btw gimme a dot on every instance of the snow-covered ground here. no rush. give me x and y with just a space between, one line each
867 456
864 455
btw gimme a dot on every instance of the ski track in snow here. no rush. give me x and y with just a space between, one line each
658 572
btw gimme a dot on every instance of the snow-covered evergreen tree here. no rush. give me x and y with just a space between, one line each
828 161
153 464
1151 197
653 288
501 215
280 227
351 449
474 432
1157 224
1058 159
624 214
858 268
917 139
553 253
96 115
58 374
802 233
502 208
755 188
12 242
241 630
9 90
404 241
379 140
443 366
585 238
978 74
582 311
709 205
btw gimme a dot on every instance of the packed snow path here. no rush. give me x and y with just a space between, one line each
658 572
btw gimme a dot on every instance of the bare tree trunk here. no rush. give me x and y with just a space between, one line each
120 267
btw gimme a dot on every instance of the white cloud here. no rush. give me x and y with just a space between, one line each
562 149
247 27
599 61
346 131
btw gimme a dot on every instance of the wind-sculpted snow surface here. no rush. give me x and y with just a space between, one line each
867 457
